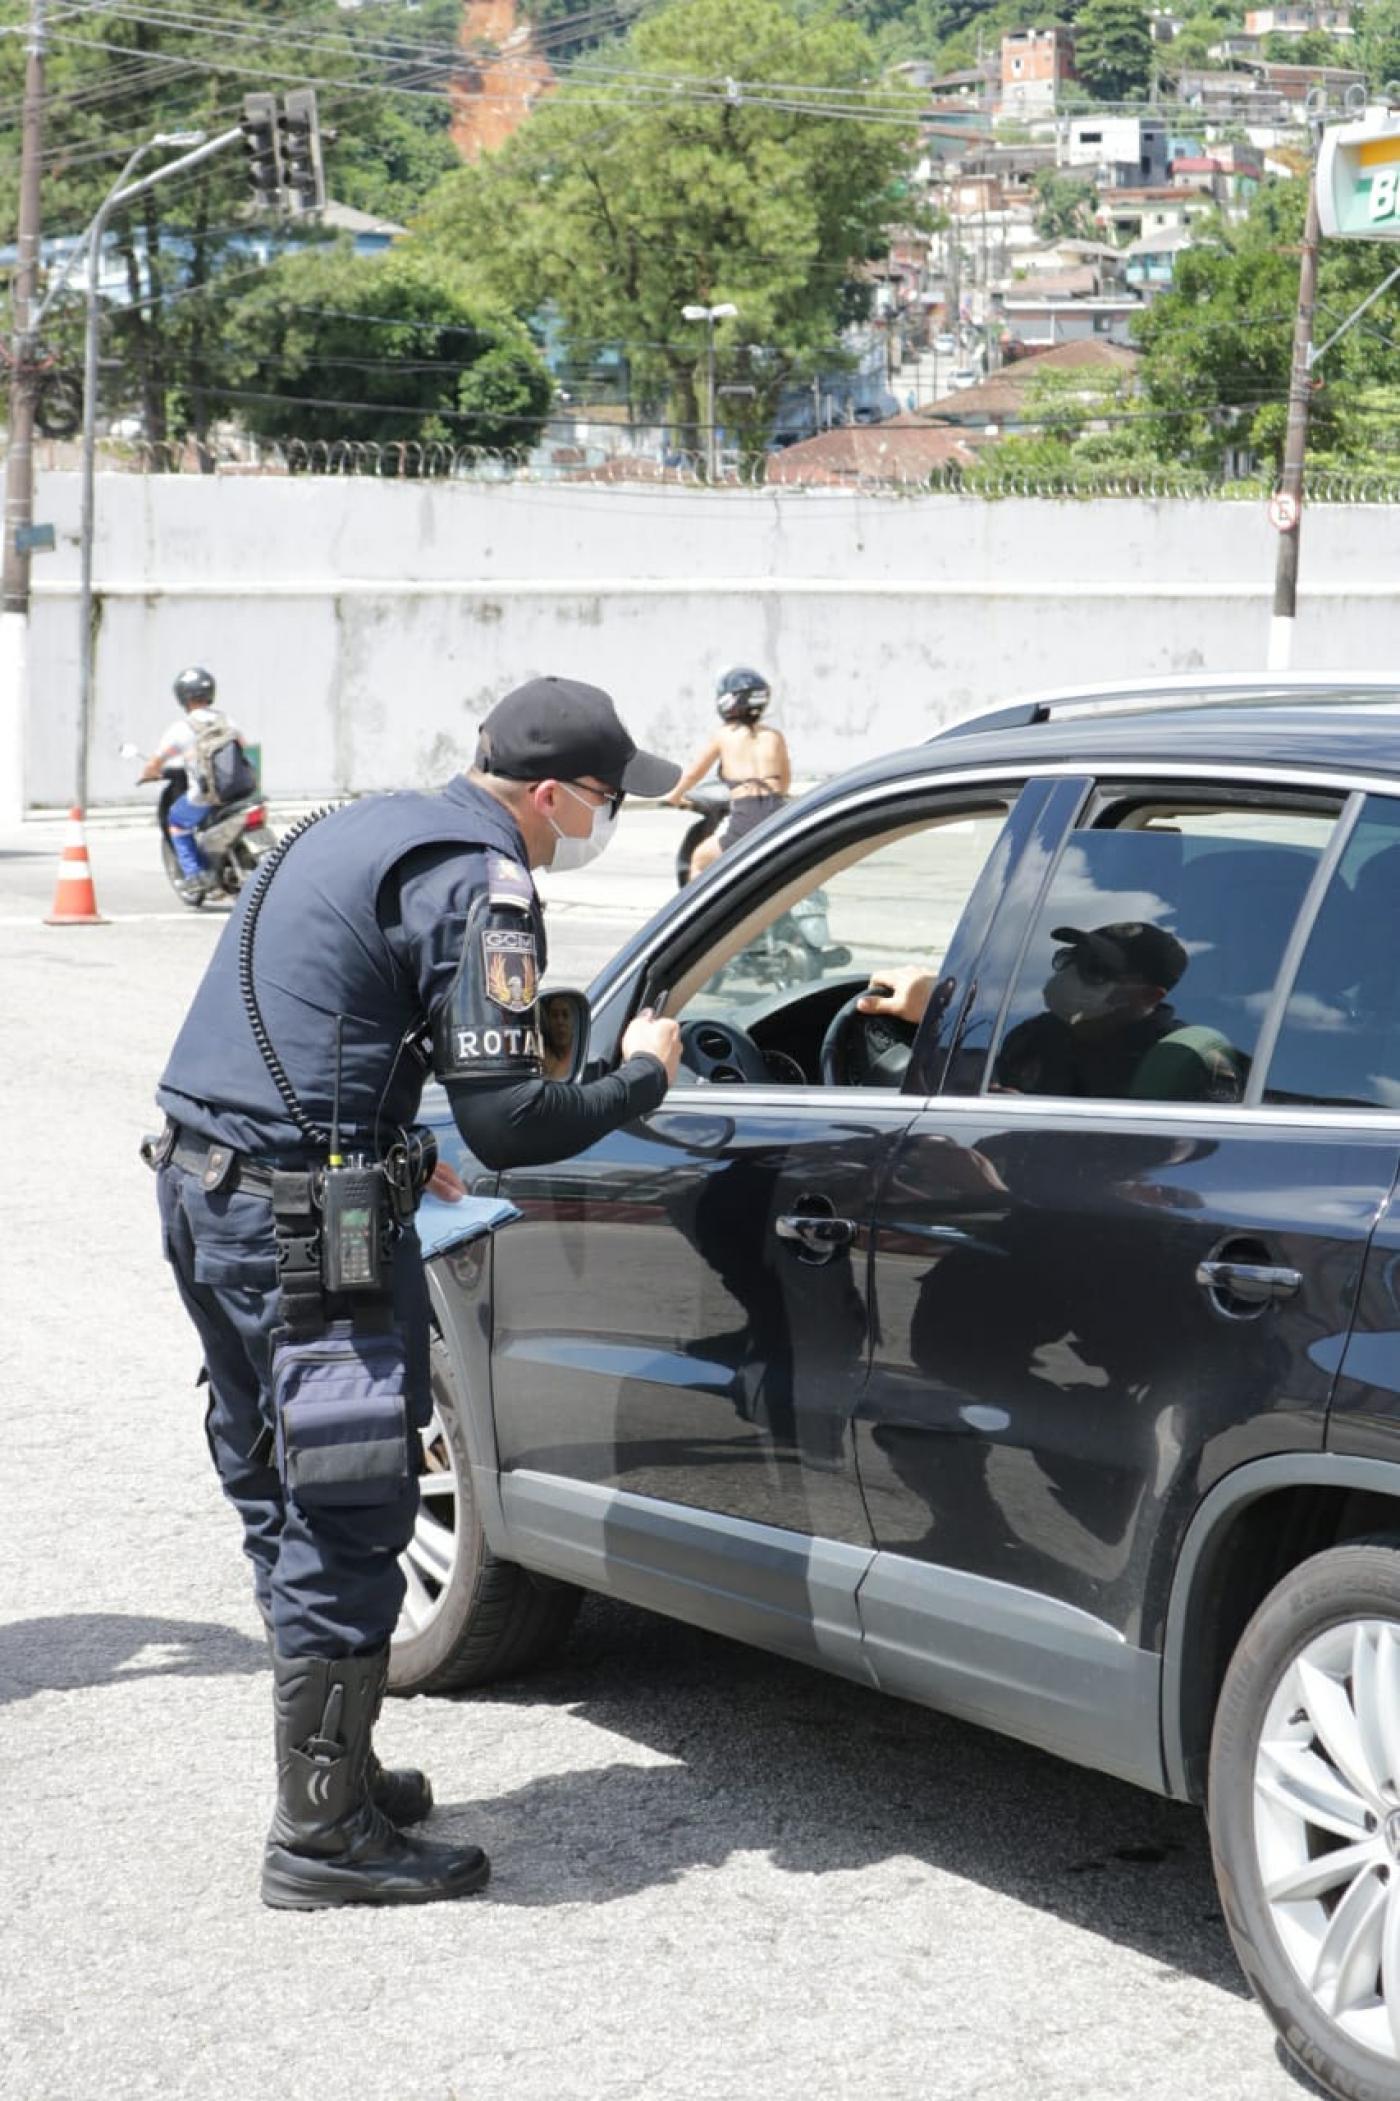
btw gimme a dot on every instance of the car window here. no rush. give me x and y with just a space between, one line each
1339 1044
1155 953
891 898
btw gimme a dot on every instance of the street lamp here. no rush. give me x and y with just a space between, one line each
709 315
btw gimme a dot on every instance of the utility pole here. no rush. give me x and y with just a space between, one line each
19 461
1289 502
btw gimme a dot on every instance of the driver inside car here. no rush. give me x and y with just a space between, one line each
1108 1030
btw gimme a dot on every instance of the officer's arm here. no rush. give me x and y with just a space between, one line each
469 924
532 1122
488 1051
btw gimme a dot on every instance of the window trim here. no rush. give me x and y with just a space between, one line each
1295 949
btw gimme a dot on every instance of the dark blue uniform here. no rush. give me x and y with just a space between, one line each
405 915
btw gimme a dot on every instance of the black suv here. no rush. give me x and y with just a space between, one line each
1041 1361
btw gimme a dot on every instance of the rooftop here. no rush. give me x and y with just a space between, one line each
907 446
1000 398
1168 240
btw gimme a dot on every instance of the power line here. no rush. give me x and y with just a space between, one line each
620 89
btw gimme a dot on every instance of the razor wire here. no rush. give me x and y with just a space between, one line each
583 465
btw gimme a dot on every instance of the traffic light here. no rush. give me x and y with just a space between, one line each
262 147
303 179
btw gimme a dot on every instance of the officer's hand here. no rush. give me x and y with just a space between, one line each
445 1184
904 993
659 1038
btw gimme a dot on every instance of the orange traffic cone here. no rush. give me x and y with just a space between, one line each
74 901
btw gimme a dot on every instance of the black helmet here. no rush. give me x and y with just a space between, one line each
194 688
742 694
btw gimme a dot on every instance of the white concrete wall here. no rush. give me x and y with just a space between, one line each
361 629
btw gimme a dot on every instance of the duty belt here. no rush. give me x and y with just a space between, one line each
219 1169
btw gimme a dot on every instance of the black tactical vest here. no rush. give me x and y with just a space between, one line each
320 951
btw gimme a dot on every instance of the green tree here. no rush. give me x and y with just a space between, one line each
185 249
1113 49
1064 205
1378 42
383 348
1312 48
1195 40
1218 347
620 207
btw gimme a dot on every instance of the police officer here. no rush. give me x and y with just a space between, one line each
395 920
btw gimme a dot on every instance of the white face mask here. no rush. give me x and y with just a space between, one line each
570 852
1070 999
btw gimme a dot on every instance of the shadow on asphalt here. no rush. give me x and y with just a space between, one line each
824 1777
79 1649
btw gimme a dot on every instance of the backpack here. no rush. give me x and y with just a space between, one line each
220 762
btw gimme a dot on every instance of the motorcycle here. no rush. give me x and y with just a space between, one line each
797 948
233 839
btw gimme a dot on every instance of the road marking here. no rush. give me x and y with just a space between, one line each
124 919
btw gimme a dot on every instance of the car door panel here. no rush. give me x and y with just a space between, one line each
1052 1388
656 1334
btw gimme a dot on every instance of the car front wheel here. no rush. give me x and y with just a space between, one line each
1305 1814
468 1616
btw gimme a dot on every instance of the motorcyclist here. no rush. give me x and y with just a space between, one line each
191 741
753 762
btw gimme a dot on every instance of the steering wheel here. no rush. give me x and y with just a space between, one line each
722 1056
866 1050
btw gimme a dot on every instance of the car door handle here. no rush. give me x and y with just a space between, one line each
819 1236
1256 1283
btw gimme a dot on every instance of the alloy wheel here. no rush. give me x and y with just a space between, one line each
1327 1826
431 1554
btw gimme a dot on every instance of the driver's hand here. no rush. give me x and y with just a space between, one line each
445 1184
657 1037
903 993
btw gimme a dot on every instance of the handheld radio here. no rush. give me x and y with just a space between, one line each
355 1224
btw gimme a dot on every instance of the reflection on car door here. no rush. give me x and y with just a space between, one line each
680 1342
664 1327
1086 1312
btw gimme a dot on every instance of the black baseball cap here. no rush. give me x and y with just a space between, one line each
1129 948
560 729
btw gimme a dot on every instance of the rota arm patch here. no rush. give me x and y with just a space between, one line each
488 1027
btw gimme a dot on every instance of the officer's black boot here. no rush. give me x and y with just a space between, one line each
403 1792
329 1844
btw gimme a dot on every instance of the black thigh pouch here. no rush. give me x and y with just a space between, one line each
340 1401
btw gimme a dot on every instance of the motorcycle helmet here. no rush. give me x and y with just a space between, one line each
195 688
742 694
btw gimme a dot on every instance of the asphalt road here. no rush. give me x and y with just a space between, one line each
715 1874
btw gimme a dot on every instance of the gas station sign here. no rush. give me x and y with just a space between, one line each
1358 179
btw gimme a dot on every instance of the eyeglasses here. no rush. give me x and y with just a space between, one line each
1093 973
612 799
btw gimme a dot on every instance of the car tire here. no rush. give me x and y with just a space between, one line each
1304 1812
469 1617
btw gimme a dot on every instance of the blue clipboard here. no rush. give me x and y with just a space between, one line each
443 1226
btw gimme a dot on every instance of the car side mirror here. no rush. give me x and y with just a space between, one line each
565 1020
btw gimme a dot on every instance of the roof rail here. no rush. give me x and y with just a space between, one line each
1213 689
